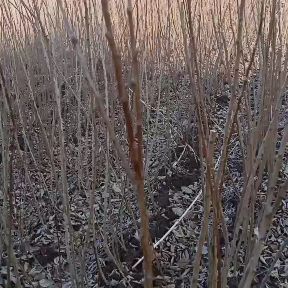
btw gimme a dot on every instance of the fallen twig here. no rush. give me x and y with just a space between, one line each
172 228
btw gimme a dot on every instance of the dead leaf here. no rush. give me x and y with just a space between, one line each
46 283
178 211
